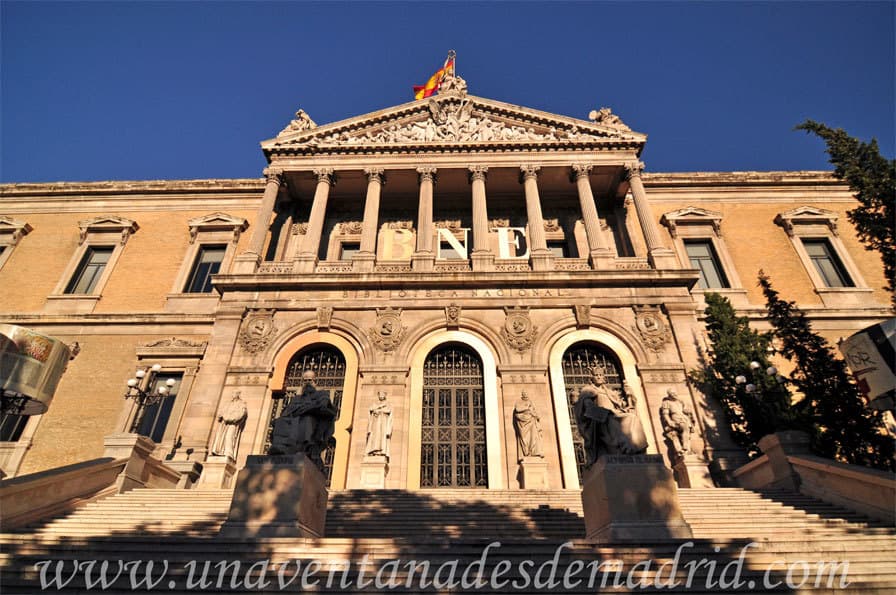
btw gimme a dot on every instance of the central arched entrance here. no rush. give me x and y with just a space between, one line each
453 452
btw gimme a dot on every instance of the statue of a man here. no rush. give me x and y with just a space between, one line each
678 422
306 423
231 421
379 426
528 428
607 420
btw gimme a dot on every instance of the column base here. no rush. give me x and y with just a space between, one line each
534 473
373 472
483 261
277 496
663 258
602 259
217 473
422 261
304 263
363 262
542 260
631 498
245 263
691 471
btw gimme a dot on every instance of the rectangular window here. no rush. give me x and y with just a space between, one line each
703 258
448 252
11 426
90 270
826 263
348 249
152 419
559 248
208 263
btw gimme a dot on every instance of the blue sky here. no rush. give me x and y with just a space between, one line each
144 90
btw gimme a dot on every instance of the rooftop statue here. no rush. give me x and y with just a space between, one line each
300 123
606 117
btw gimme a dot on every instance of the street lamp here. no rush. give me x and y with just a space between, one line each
140 388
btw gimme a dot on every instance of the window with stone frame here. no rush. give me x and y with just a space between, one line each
703 257
207 263
90 270
11 232
151 418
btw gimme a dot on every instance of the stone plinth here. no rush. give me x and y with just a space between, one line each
691 471
217 473
483 261
533 473
631 498
373 472
277 496
777 447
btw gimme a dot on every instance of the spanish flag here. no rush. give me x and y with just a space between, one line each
432 85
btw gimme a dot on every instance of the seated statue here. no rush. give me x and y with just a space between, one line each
306 424
607 420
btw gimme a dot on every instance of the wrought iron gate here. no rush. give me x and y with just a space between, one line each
453 449
577 363
328 365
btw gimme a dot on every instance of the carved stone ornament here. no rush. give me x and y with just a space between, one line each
605 117
583 315
350 227
551 225
107 224
401 225
518 332
387 331
174 342
496 223
324 317
217 222
452 315
299 229
651 327
258 330
453 225
301 122
14 228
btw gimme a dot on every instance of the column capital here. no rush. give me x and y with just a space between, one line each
375 174
580 170
273 174
427 173
326 175
477 172
529 171
633 168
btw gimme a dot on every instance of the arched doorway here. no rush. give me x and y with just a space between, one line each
577 363
328 365
453 451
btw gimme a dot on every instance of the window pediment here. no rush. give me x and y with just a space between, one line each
217 222
14 228
692 216
107 224
807 215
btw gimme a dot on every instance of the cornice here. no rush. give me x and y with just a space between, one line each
739 178
201 186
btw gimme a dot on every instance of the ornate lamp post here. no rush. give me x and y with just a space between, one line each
140 388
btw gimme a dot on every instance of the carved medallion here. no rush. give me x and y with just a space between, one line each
650 325
518 332
257 331
387 332
324 316
583 315
452 315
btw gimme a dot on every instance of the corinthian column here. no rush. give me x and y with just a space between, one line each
311 246
248 260
599 251
542 258
483 258
423 258
364 260
659 256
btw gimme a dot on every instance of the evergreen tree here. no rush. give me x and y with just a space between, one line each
753 413
872 178
845 428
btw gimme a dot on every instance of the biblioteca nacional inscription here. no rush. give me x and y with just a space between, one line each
452 293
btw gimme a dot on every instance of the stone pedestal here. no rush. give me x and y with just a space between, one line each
422 261
691 471
373 472
244 264
363 262
277 496
483 261
533 473
603 259
305 263
777 447
190 472
631 498
542 261
217 473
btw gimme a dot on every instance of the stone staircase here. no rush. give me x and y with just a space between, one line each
180 527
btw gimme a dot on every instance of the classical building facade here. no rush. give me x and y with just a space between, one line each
451 253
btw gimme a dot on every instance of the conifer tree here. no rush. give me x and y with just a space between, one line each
845 429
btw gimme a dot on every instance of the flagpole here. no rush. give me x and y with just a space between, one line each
452 56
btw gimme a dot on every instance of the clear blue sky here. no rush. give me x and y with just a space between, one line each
100 91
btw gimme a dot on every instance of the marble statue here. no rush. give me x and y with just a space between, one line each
607 420
678 422
379 426
306 424
527 425
231 421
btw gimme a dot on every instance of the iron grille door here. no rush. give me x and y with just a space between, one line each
577 363
328 365
453 449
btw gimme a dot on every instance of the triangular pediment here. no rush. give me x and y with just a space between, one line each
454 118
220 220
809 213
692 213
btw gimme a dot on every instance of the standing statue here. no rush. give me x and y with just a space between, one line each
231 421
528 428
379 426
306 424
607 420
678 422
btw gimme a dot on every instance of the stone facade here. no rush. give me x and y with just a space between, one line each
516 235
